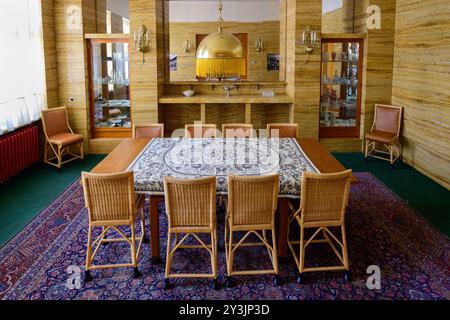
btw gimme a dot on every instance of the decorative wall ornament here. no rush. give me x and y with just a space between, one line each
142 41
186 47
309 40
259 45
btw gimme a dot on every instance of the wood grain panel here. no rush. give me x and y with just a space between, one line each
176 116
421 85
71 64
302 76
49 40
378 63
147 78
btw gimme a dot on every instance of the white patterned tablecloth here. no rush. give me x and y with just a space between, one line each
195 158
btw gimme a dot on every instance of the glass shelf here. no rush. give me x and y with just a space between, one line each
339 84
110 88
340 61
340 101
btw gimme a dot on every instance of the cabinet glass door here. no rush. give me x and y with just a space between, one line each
340 98
110 88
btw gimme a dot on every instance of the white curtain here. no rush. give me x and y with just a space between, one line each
22 69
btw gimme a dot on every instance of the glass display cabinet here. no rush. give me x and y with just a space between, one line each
340 92
109 73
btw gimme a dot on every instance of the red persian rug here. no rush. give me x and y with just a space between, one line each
382 230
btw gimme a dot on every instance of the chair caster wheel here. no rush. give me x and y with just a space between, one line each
105 243
145 239
229 283
215 284
87 276
167 285
366 159
277 280
136 273
347 276
59 171
300 278
391 166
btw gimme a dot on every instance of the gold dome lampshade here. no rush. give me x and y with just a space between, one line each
220 54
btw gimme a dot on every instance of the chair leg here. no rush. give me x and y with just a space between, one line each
87 274
301 256
366 150
81 150
229 282
215 282
230 252
46 152
344 247
300 278
167 284
275 252
214 258
168 260
136 273
59 157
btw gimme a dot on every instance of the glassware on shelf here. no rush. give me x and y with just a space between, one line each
333 56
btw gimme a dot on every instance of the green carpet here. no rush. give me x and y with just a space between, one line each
429 198
25 195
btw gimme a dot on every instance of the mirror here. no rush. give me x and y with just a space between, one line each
112 16
255 23
344 16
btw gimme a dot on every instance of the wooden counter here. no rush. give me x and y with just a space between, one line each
221 98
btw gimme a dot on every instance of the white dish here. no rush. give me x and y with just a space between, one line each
188 93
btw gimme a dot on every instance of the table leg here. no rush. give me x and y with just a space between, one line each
154 228
283 217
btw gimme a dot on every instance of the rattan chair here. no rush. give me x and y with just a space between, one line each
252 202
282 130
237 130
191 211
148 130
112 203
199 130
324 199
385 132
59 137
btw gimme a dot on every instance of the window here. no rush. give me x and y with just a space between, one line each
22 76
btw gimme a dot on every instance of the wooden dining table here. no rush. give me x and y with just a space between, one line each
128 150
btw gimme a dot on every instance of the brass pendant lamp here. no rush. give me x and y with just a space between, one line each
220 55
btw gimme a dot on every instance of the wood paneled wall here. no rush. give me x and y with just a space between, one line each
332 21
268 31
71 63
147 78
350 18
378 64
303 77
49 39
421 84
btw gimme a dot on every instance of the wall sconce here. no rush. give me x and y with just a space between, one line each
142 41
309 40
259 44
186 47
